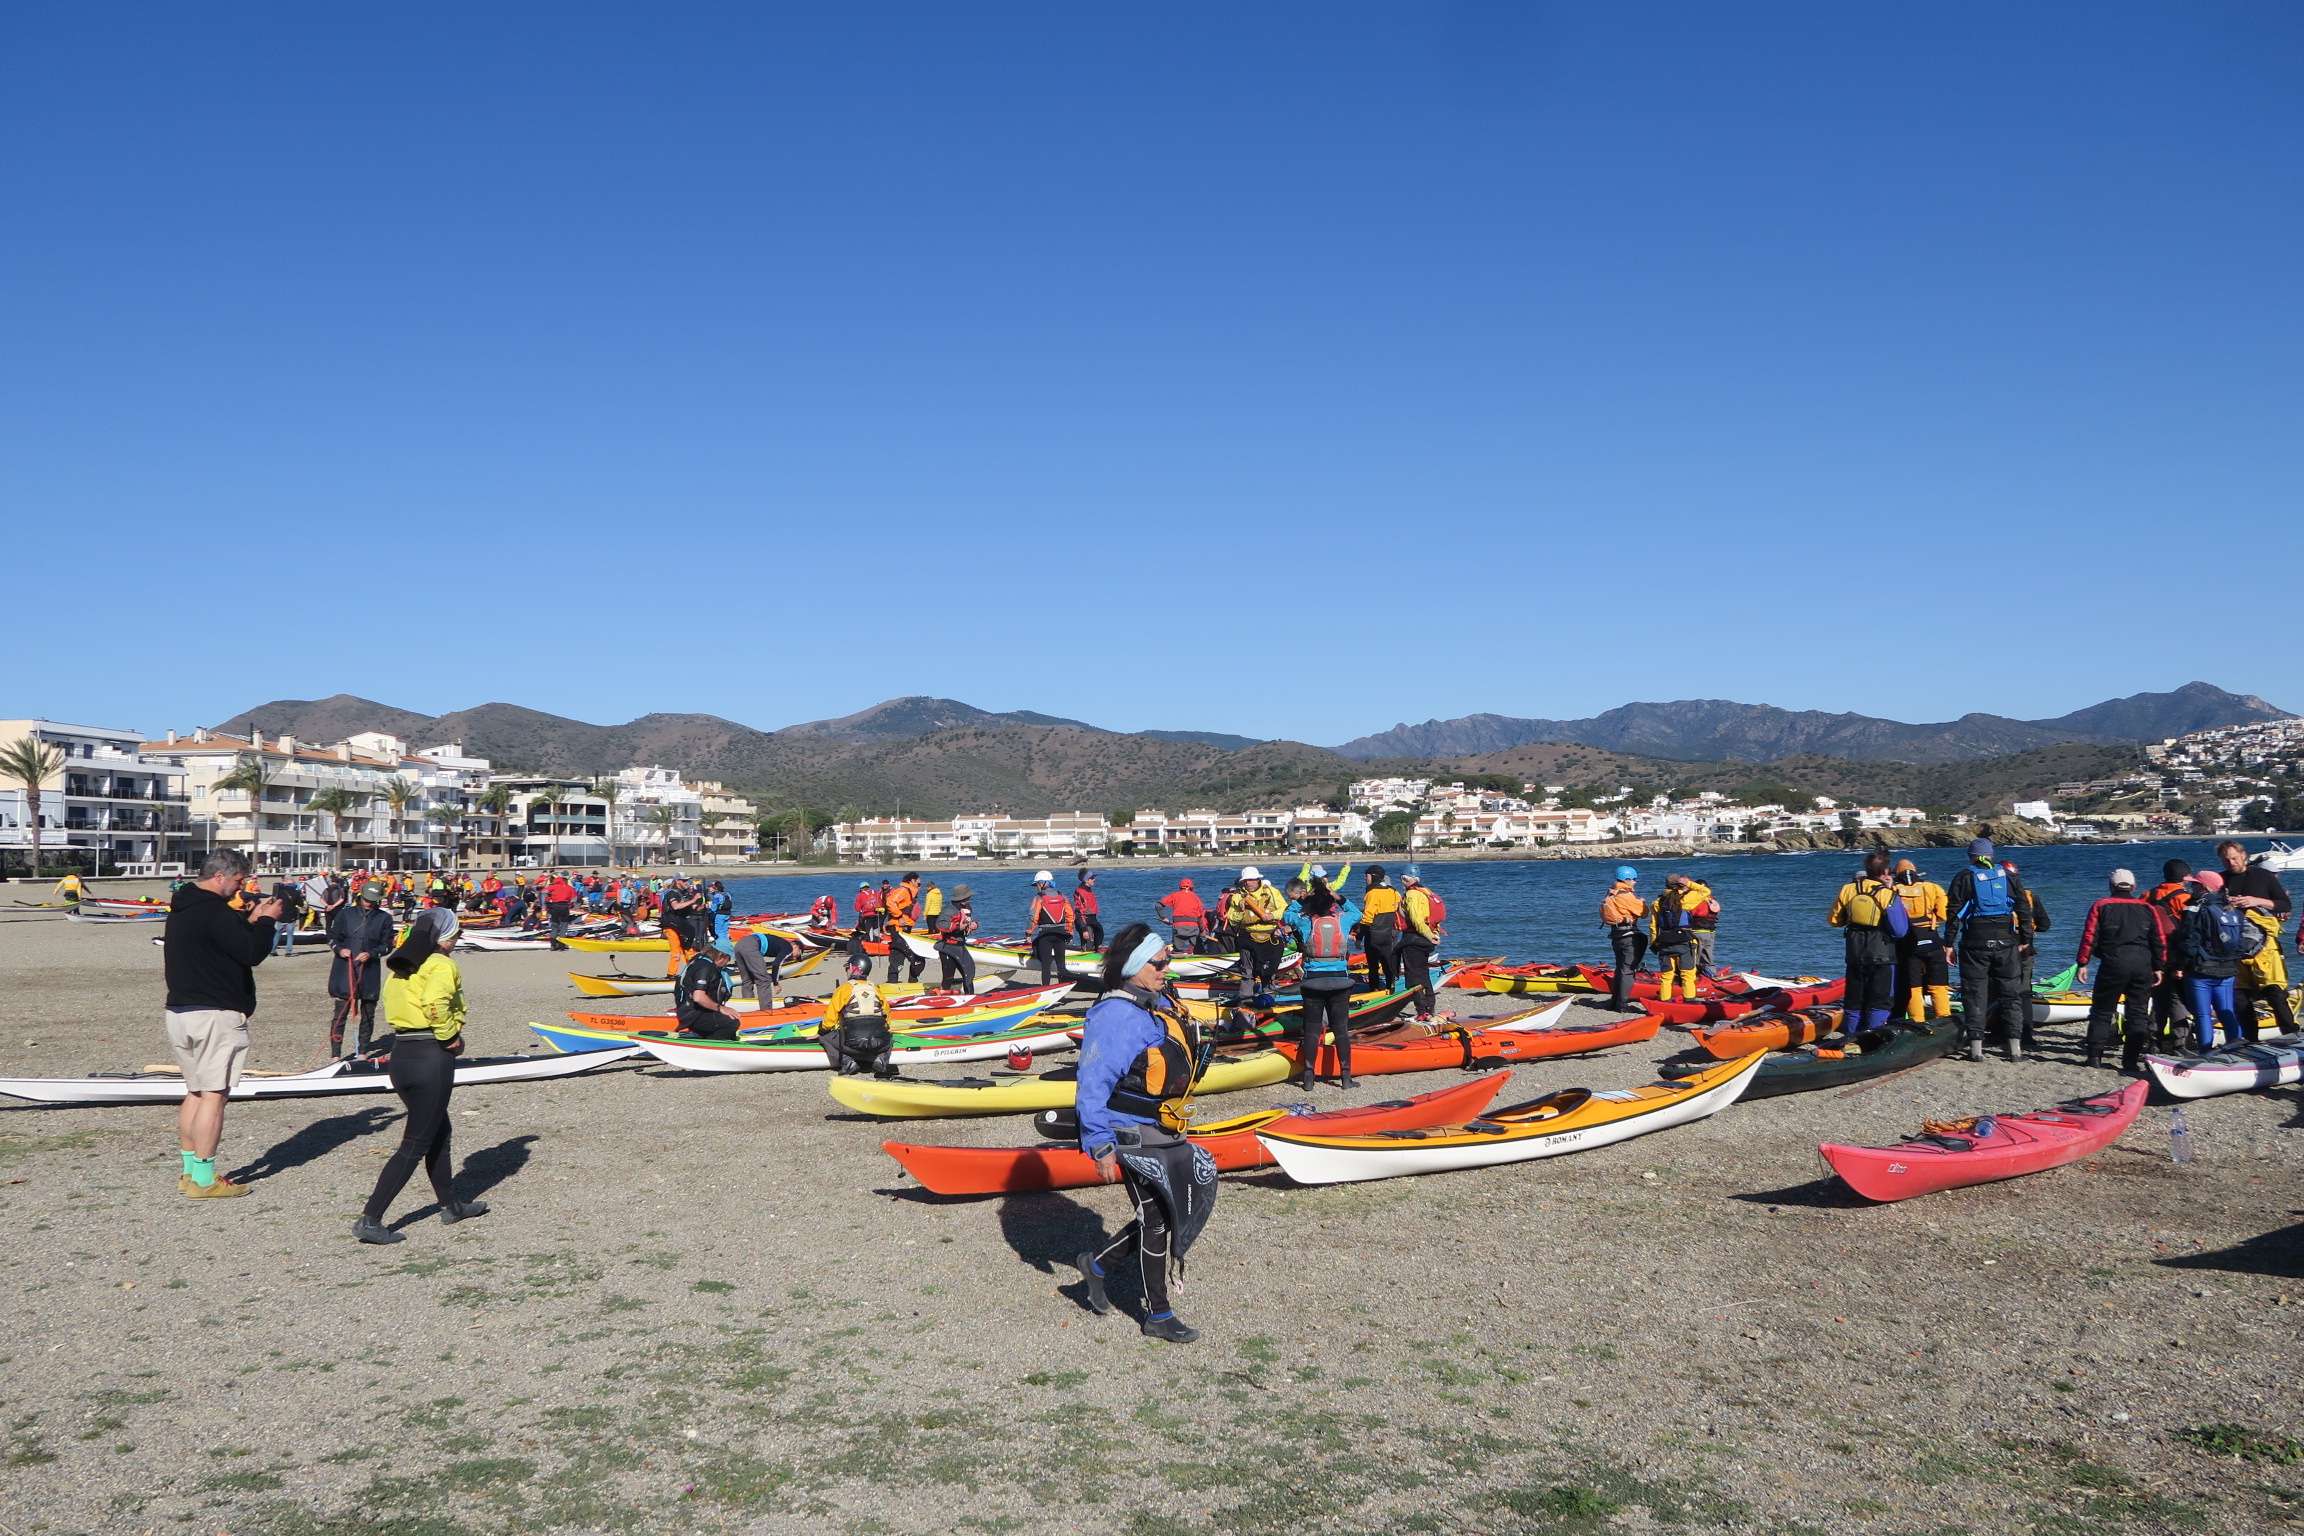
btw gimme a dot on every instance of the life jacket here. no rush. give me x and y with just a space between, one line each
1435 913
867 902
1331 940
1050 911
824 913
1158 1082
1185 910
1084 899
1995 896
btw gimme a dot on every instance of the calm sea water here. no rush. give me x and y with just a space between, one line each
1772 918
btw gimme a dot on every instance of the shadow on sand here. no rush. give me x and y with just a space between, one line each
2279 1254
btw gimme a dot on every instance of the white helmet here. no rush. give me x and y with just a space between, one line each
1251 873
1043 877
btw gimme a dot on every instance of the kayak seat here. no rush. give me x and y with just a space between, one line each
1390 1104
1486 1128
2084 1107
1945 1143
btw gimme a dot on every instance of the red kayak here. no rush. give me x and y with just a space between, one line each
1233 1143
1410 1048
1769 999
1995 1147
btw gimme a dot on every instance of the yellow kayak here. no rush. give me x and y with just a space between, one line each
903 1098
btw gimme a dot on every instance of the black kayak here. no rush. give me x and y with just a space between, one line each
1801 1070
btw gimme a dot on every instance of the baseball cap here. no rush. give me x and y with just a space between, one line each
2125 877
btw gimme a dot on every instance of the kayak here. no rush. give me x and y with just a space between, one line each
650 986
1571 1120
935 1013
1721 1010
657 945
1233 1143
1410 1048
803 1054
142 915
363 1076
909 1099
1768 1032
1996 1147
2061 1007
2269 1062
1808 1068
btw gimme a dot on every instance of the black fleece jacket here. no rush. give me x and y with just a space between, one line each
212 952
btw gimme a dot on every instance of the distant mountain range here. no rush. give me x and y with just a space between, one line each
934 757
1713 730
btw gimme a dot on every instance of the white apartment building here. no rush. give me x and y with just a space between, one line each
1386 794
106 805
730 824
659 816
1524 828
888 839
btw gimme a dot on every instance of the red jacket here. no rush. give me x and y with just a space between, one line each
1183 906
1084 899
2125 924
560 891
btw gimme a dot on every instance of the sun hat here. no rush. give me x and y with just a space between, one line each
1251 873
1980 849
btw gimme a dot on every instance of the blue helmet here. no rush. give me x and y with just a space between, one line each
1626 872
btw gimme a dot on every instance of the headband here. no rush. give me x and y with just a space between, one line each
1141 955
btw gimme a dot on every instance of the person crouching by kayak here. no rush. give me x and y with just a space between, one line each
855 1034
760 958
1323 924
954 924
1621 911
700 996
424 1004
1139 1052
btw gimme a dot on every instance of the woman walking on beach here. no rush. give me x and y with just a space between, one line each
1139 1051
424 1004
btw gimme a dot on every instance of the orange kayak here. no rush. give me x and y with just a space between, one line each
1768 1032
1408 1048
1233 1143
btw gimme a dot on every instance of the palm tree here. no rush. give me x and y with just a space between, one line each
610 790
496 800
399 793
336 802
450 819
663 818
31 762
254 776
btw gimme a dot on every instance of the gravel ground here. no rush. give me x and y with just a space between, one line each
712 1303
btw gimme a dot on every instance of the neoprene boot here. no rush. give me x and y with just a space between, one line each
462 1210
1098 1302
2132 1060
1976 1048
376 1232
1941 999
1172 1328
2095 1057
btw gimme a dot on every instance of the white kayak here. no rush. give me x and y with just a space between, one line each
2268 1063
156 915
800 1056
335 1078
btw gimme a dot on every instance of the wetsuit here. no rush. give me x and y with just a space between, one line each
1088 926
1989 942
1051 924
2122 935
1327 992
702 974
952 949
1382 940
1861 913
1255 916
1138 1051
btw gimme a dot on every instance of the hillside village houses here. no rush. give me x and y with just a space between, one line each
151 805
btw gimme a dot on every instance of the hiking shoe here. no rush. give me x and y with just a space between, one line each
376 1232
1098 1302
222 1189
1171 1328
462 1210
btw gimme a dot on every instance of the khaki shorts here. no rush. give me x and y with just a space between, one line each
209 1045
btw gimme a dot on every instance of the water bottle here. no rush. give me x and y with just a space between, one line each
2179 1137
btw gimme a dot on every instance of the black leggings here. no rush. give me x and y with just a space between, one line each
959 967
1262 961
1327 1010
424 1075
1149 1232
1091 931
1048 950
1383 959
1416 965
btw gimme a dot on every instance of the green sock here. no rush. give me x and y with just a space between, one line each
201 1170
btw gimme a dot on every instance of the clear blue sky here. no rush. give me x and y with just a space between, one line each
1283 369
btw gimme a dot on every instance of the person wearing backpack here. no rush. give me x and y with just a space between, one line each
1989 928
1049 921
1872 919
1922 975
1621 911
2258 892
1672 936
2211 943
1418 923
1380 939
1323 923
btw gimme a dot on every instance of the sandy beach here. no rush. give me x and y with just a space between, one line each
713 1303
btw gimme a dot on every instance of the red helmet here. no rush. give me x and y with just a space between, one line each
1184 884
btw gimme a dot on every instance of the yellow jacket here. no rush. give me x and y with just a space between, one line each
1416 905
1379 901
429 1002
1872 893
931 905
1258 912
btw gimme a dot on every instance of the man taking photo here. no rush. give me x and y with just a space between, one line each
212 951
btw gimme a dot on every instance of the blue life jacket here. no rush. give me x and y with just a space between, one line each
1993 896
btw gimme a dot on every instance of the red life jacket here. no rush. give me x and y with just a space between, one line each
1052 910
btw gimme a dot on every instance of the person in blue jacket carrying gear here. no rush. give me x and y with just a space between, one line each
1139 1053
1988 932
1323 922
